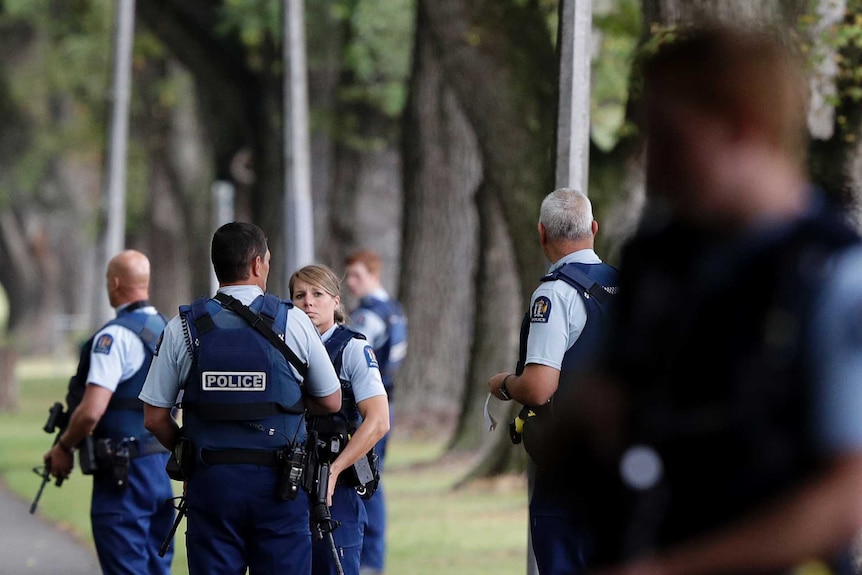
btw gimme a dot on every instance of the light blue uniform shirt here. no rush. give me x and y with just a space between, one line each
369 324
117 354
837 347
559 316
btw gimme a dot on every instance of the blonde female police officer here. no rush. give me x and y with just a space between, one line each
236 520
365 409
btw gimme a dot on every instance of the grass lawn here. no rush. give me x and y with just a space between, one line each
476 530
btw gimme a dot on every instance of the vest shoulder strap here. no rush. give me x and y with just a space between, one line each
338 341
581 281
260 324
148 330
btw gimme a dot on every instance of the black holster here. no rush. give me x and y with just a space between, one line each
181 463
103 455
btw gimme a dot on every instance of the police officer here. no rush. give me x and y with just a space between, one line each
380 319
364 411
560 337
130 511
247 364
738 352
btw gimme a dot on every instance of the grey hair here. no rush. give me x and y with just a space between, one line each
567 214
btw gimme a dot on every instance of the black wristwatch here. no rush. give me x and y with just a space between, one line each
503 391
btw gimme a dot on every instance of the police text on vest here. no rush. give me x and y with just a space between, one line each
233 381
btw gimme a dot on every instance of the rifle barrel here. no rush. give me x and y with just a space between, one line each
181 511
46 477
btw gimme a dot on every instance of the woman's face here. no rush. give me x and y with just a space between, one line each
318 305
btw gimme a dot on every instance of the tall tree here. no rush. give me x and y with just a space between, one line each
499 59
442 171
240 97
505 89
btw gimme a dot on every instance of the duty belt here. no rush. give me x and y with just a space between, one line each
142 448
268 458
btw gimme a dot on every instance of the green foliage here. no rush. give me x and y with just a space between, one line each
379 51
611 70
256 23
56 76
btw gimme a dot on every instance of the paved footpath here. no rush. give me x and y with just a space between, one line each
30 545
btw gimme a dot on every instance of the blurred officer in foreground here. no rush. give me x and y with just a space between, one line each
130 511
560 334
380 319
247 364
731 411
364 415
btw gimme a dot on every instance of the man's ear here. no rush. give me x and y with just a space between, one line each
595 227
256 265
542 234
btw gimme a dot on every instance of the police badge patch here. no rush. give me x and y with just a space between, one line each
540 311
370 358
103 344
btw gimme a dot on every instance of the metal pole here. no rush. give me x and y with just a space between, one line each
223 193
114 188
573 120
574 40
298 216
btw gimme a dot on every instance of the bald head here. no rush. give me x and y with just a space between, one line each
128 277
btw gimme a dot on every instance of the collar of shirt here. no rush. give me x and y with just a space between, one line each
244 293
147 308
378 294
585 256
328 333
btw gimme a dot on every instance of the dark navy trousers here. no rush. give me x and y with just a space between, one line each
130 524
374 541
561 540
235 522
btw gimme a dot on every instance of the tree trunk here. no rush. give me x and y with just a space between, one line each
497 321
442 170
499 59
243 95
177 222
8 379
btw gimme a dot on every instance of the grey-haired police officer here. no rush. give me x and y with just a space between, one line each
243 398
560 338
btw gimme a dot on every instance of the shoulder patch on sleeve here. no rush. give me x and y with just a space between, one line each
540 311
103 344
370 358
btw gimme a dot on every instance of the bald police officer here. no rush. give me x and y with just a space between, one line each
130 511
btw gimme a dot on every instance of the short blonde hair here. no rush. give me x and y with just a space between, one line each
320 276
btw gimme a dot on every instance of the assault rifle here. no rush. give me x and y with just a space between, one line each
57 421
322 450
181 508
